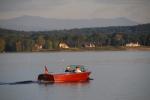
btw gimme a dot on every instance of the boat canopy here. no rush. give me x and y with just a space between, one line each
73 67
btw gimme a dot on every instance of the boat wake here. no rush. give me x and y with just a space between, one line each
19 82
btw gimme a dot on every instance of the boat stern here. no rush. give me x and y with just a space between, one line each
46 78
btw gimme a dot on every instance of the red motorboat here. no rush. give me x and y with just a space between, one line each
73 73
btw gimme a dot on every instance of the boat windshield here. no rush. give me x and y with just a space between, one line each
73 67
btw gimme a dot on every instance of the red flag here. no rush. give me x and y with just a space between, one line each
46 70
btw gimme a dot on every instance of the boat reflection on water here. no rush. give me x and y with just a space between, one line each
65 84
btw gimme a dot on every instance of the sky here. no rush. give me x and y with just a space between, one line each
135 10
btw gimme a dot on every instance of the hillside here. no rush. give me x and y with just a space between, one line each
77 39
142 28
36 23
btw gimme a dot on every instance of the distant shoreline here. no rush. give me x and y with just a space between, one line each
104 48
142 48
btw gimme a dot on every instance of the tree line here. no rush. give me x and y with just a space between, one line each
20 41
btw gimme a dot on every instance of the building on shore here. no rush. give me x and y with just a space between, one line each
38 46
63 45
133 44
89 45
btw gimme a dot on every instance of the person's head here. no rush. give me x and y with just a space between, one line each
77 67
68 67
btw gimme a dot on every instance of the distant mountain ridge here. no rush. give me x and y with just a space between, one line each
36 23
134 29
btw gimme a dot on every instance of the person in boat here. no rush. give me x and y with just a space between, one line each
46 70
68 69
78 70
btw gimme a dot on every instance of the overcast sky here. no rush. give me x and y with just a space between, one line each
136 10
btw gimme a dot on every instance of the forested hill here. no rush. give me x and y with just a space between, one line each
142 28
18 41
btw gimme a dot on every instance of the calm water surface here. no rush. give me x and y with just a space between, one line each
118 75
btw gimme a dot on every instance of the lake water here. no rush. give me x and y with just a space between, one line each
118 75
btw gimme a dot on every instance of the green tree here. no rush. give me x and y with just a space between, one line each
28 44
10 45
55 44
118 39
148 40
40 40
2 44
19 46
48 44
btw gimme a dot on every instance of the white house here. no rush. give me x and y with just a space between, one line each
133 44
63 45
89 45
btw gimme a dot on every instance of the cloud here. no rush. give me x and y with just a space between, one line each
77 9
21 5
123 2
137 10
14 8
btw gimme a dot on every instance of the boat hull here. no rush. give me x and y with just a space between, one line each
65 77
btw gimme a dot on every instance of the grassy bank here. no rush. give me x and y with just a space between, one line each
104 48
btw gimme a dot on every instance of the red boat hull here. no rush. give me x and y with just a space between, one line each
65 77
